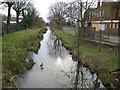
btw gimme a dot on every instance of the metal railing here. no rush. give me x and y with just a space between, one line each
108 35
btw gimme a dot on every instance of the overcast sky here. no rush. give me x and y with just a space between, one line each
42 7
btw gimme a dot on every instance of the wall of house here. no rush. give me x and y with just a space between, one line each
96 25
112 26
105 12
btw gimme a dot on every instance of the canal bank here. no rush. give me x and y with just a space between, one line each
14 51
101 62
55 68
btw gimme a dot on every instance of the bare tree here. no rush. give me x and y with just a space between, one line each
30 16
9 4
19 6
78 11
58 13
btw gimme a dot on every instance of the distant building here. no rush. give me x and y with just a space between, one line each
104 17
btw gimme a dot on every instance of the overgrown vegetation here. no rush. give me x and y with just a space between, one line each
30 64
102 62
15 48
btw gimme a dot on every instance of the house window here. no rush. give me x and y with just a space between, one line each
107 25
113 25
119 12
89 15
93 15
110 25
103 13
117 25
100 13
97 15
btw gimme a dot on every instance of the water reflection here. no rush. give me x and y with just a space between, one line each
55 47
60 71
77 76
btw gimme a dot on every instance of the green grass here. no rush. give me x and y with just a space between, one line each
0 62
102 62
15 48
30 64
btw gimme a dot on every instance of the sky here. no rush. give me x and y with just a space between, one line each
42 7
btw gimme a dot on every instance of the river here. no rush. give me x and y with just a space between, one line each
59 70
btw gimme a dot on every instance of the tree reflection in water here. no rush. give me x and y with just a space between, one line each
80 76
55 48
60 69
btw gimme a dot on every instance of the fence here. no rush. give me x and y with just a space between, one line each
6 30
108 35
89 32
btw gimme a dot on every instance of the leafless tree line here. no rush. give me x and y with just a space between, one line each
75 10
17 5
24 8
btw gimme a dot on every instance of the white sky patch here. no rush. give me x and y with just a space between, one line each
43 6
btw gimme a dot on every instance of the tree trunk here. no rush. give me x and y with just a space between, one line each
119 52
8 18
17 18
78 39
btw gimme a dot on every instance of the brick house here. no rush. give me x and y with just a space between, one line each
106 16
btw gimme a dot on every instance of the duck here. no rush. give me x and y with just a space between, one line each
116 70
41 65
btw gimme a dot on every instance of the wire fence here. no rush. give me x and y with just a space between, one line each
7 30
108 35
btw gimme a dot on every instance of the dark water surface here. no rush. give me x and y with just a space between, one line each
59 69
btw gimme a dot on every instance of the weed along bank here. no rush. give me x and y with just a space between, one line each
15 49
101 62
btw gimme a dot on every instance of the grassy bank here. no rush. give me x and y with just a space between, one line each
14 51
102 62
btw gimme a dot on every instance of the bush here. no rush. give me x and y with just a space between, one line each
30 64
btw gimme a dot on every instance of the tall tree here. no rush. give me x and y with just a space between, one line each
78 11
58 13
18 6
39 22
30 16
9 4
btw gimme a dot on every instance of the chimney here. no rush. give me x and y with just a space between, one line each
98 3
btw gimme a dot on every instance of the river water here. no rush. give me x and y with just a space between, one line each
60 70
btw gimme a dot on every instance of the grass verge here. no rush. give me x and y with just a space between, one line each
101 62
15 48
